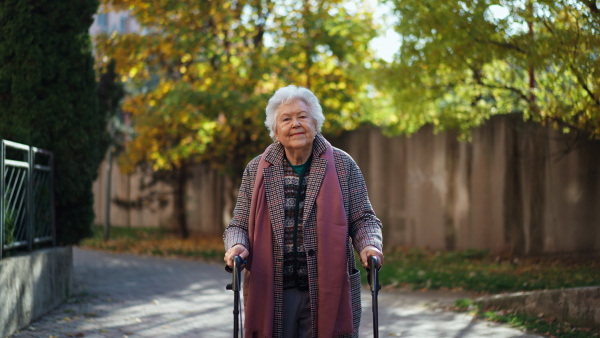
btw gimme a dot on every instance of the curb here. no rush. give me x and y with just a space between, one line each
578 306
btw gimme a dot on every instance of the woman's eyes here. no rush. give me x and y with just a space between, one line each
287 119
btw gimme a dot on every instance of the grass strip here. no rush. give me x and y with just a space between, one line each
477 270
541 325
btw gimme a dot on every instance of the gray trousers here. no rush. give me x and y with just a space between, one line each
296 314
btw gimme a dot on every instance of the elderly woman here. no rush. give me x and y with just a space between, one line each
301 207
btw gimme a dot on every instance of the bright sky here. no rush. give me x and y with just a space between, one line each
387 44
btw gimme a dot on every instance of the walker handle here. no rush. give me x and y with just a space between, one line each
373 273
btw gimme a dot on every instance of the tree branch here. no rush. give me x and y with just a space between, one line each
592 6
566 124
585 86
512 89
502 44
548 26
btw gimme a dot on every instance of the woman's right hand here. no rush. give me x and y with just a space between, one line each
236 250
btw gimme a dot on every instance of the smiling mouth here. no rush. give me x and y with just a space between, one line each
297 134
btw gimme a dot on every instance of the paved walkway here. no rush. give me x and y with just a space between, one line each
118 295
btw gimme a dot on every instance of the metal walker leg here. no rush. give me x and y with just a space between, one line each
235 286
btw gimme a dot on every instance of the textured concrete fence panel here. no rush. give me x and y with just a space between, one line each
517 187
209 200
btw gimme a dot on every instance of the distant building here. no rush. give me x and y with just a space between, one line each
120 22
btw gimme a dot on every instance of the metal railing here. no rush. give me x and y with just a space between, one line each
26 197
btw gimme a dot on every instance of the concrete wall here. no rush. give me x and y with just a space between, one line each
32 285
516 188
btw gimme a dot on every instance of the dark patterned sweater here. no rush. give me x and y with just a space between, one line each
295 270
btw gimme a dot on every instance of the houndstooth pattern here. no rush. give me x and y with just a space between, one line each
364 228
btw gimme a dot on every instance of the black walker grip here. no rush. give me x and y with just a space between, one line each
235 286
373 277
373 273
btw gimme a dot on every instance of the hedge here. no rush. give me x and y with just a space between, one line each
48 99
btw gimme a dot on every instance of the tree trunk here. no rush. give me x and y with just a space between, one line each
531 71
107 199
179 207
514 233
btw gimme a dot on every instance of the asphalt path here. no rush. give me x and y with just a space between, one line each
121 295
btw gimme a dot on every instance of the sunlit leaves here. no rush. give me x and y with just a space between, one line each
463 61
200 72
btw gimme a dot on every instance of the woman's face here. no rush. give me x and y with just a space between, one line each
295 126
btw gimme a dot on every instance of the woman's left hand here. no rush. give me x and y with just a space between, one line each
370 250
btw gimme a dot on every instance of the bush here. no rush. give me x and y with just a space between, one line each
48 99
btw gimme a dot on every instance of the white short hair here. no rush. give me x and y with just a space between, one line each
289 94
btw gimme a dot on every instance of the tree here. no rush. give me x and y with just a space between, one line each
48 99
110 94
462 61
204 70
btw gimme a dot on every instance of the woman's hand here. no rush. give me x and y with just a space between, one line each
236 250
370 250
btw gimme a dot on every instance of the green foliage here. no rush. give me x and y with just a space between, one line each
48 99
462 61
110 90
476 270
463 304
